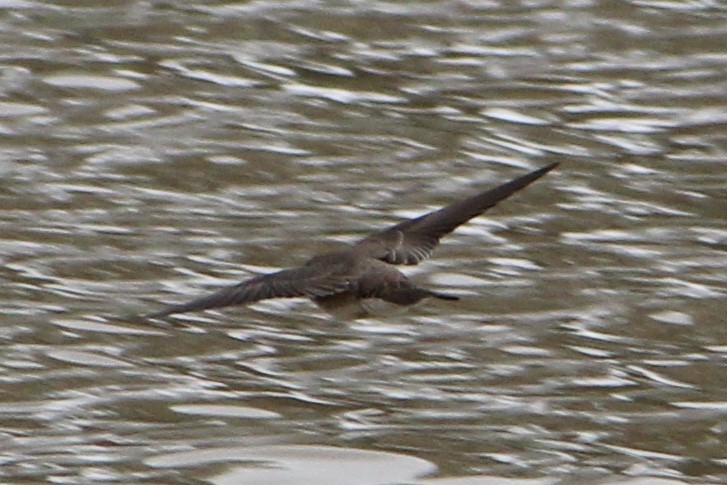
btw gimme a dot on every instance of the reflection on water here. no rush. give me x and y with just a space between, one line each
152 152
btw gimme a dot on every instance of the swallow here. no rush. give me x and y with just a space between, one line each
341 281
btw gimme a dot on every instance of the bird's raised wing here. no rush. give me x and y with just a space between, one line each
306 281
413 240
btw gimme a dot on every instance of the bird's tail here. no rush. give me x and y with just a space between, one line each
442 296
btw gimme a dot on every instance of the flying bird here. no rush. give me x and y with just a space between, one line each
341 281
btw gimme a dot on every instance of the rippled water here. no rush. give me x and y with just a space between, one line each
152 151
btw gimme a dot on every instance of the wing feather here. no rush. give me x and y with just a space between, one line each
289 283
413 240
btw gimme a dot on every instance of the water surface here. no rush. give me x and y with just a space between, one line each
154 151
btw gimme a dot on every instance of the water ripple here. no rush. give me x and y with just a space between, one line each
153 152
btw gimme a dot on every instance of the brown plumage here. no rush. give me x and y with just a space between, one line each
339 281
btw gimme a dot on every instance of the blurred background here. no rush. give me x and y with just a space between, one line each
152 151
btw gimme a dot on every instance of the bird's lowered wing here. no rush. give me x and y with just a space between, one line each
289 283
413 240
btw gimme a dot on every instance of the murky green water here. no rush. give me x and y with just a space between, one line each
154 151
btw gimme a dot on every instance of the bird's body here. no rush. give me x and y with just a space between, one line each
341 281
